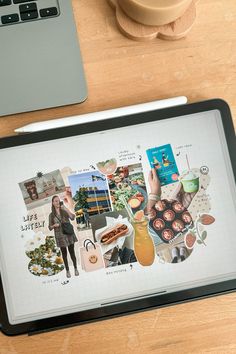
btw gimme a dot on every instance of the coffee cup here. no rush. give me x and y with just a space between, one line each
154 12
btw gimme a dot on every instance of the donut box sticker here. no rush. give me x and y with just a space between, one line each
169 219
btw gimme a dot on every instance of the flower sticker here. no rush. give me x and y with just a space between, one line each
36 269
45 256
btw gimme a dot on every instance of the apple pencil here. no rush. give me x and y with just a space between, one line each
102 115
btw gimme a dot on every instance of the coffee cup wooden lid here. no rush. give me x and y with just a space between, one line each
154 12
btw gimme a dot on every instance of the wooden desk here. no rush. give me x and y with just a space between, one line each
121 72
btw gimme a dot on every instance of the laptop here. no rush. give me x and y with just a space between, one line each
41 65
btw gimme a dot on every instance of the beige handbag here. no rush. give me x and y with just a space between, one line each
91 256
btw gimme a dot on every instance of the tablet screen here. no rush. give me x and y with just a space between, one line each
93 220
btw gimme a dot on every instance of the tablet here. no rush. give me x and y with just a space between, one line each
108 218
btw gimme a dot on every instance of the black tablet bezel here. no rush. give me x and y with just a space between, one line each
138 304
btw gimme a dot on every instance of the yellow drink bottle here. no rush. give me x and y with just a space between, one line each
143 243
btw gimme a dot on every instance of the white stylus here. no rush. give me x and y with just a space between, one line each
102 115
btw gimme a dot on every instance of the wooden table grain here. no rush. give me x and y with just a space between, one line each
121 72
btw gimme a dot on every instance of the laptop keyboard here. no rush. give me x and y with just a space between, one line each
18 11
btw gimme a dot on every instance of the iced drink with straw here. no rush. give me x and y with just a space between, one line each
143 243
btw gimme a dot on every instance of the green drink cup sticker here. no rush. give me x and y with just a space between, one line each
190 182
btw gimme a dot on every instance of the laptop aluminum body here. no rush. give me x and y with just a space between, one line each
40 59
